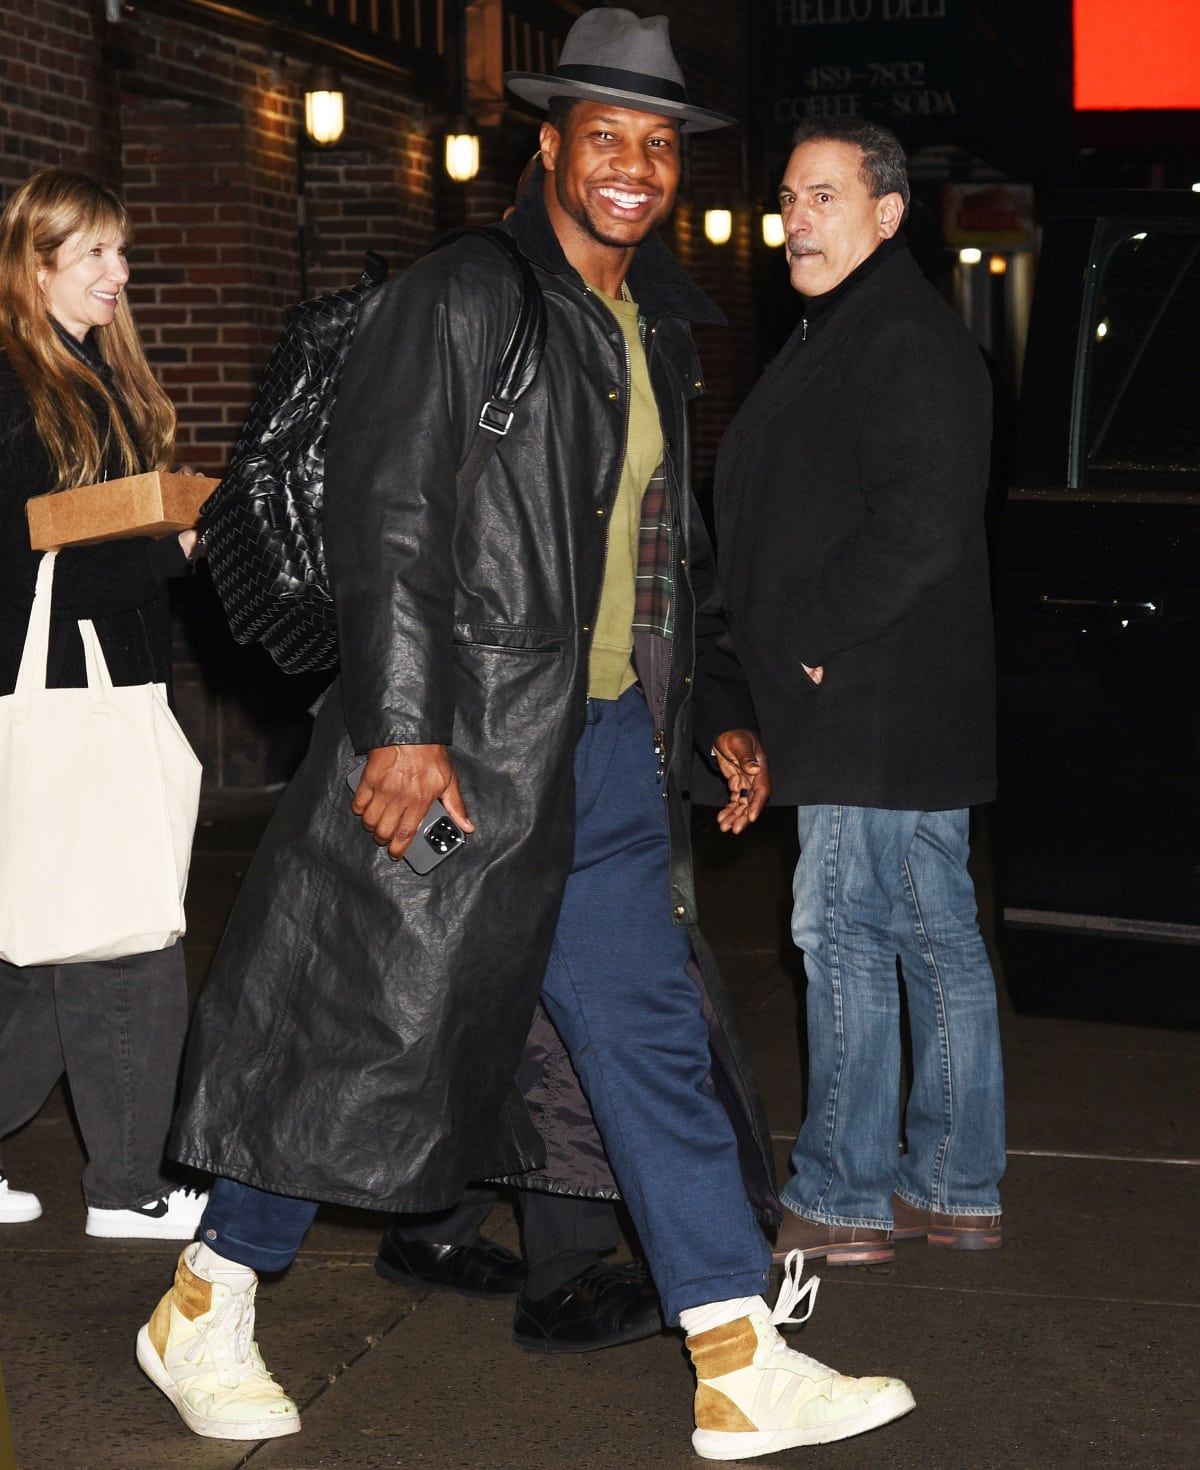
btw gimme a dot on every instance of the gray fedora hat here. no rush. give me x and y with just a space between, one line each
613 56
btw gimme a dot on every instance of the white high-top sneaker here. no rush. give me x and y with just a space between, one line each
199 1348
755 1395
17 1205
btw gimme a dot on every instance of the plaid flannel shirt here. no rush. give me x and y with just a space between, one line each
652 609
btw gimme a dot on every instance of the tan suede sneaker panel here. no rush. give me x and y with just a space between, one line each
191 1294
159 1326
723 1349
715 1411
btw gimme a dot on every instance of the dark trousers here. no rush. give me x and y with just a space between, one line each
116 1028
561 1234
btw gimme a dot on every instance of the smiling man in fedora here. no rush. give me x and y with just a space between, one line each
545 658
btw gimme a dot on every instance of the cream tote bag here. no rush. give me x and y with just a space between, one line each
98 797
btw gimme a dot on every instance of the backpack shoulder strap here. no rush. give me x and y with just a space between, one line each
520 359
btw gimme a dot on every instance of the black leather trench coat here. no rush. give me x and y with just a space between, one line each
360 1035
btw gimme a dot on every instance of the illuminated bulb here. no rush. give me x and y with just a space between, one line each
324 116
772 230
970 256
462 156
998 265
1102 330
718 225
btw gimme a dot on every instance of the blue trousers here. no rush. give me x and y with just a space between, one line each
617 990
873 885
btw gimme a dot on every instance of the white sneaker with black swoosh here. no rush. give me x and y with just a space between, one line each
173 1217
17 1205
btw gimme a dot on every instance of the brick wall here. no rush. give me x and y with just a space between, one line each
54 104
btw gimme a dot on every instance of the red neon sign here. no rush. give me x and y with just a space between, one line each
1143 57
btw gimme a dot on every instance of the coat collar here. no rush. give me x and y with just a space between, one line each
883 272
656 280
815 307
86 352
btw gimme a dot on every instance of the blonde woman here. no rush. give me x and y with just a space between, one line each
79 404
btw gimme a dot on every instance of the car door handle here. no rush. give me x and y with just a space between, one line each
1096 609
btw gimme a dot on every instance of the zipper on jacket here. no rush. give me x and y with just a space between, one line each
804 329
587 290
660 723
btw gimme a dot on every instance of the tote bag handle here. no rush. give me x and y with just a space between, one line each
31 676
35 656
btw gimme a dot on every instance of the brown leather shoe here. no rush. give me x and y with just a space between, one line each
841 1245
959 1232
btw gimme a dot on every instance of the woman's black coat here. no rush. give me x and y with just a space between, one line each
361 1030
119 585
849 497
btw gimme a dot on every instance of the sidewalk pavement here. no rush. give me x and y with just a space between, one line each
1075 1345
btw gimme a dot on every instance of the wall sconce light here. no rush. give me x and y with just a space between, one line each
324 108
718 226
462 150
970 256
772 230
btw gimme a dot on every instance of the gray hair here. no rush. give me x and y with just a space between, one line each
884 167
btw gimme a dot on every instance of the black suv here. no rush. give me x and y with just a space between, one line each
1098 618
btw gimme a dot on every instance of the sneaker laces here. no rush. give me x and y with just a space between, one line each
791 1293
231 1326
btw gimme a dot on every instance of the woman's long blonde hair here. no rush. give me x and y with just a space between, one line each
46 210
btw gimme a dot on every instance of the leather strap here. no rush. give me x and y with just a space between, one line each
520 359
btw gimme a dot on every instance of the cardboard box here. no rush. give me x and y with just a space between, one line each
137 505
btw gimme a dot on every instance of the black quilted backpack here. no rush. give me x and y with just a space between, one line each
262 525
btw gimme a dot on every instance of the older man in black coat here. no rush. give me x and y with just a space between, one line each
850 496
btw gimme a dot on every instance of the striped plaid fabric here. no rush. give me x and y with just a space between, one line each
652 608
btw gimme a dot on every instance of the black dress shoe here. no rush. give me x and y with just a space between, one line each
484 1269
602 1307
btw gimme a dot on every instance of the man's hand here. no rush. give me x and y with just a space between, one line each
743 764
816 675
399 784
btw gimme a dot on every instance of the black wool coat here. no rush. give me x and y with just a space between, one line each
359 1036
118 585
849 504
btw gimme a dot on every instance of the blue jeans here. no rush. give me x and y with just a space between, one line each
254 1228
618 991
872 886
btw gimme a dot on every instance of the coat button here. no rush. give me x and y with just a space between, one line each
687 678
697 384
600 512
680 911
613 395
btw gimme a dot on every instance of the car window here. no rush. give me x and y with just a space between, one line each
1139 425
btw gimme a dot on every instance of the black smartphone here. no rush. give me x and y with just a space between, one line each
438 837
